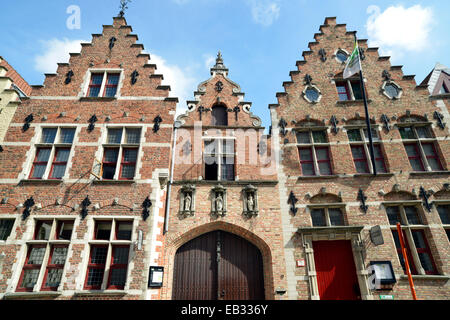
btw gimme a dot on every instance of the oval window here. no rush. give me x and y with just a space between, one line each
392 91
312 94
341 56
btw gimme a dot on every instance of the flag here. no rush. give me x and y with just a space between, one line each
353 63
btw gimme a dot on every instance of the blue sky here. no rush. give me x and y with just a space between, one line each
260 39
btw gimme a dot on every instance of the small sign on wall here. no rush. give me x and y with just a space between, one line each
300 263
156 277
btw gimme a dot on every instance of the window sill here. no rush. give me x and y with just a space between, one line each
225 183
114 182
98 98
41 181
88 293
428 173
330 229
31 295
352 102
318 177
440 96
426 277
364 175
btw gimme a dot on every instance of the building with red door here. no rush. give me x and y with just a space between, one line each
339 216
83 173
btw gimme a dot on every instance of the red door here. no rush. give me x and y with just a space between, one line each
336 272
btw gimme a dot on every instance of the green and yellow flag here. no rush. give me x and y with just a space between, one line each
353 63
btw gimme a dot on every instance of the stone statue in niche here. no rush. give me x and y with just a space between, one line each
219 203
250 202
187 202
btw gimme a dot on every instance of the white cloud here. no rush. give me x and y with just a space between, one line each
399 30
181 83
264 12
209 61
56 51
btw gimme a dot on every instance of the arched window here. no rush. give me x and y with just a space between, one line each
219 115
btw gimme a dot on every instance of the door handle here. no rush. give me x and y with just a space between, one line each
223 293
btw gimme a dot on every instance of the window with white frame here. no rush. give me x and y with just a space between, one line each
444 214
420 146
103 84
327 216
360 147
314 152
6 226
109 255
46 255
52 153
120 153
219 159
414 232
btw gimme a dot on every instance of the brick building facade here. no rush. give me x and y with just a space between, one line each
329 198
68 229
98 182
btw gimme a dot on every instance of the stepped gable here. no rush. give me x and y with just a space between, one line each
126 54
220 90
16 78
325 69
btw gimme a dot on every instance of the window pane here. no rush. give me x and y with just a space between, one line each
128 171
336 217
30 278
421 246
118 277
121 255
228 169
303 137
318 217
219 116
124 230
343 91
308 169
133 136
94 91
62 155
354 135
103 231
43 230
325 168
36 255
111 85
357 91
361 167
113 79
65 230
306 155
111 155
5 229
319 136
414 157
412 215
58 171
97 79
67 135
432 157
43 155
98 255
391 91
423 132
95 277
342 56
59 255
358 153
379 164
38 171
407 133
312 94
322 154
114 136
48 135
211 146
228 146
109 172
54 277
444 213
398 246
130 155
211 170
393 214
374 135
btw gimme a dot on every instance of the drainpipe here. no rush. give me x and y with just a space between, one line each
177 125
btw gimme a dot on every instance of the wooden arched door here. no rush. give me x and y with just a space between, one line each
218 266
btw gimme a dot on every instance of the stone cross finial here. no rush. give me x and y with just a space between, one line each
123 7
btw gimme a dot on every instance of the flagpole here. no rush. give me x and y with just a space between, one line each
366 108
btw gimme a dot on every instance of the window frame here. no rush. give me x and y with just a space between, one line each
408 230
313 147
364 142
326 213
52 242
11 228
54 147
110 244
445 226
219 154
347 84
418 143
121 146
117 266
104 84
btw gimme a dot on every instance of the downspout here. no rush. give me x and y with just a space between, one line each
177 125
